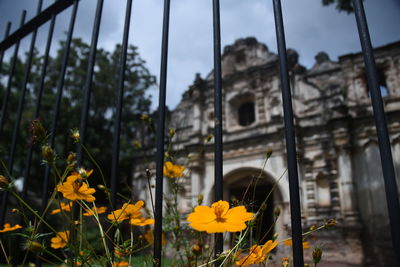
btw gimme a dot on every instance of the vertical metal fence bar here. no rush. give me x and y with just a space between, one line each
389 176
20 110
39 99
118 115
60 86
160 138
89 77
4 111
56 111
10 76
218 152
7 32
22 96
295 208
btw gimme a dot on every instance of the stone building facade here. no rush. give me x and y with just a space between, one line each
338 157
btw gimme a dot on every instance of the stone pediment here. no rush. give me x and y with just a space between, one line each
323 64
245 53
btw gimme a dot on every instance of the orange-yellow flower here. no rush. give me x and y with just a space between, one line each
60 240
219 218
8 228
63 206
132 213
95 210
141 221
127 212
75 188
149 236
289 242
171 170
119 252
257 253
120 264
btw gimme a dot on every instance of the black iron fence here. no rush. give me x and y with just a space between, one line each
50 14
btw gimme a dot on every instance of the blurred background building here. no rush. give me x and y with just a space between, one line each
339 163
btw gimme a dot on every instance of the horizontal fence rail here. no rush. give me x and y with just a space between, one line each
50 14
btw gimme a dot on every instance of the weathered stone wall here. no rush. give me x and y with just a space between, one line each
339 164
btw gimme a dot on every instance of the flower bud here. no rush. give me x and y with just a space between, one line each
101 187
48 153
75 135
200 199
71 159
306 265
136 145
4 182
172 132
277 212
331 223
146 118
285 262
275 236
15 210
268 153
209 137
34 246
196 249
38 132
263 206
317 255
313 227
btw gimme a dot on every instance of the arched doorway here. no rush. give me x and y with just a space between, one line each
255 189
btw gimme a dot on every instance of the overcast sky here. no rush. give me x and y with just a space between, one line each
310 28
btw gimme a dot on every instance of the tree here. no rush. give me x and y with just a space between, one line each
341 5
102 106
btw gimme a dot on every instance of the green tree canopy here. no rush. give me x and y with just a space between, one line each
341 5
100 126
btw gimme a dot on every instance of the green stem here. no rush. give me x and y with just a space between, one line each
53 255
32 210
130 254
96 216
4 252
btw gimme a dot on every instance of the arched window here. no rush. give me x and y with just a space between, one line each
246 114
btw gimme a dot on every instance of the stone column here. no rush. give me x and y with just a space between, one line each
347 196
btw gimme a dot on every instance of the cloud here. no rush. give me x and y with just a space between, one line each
309 28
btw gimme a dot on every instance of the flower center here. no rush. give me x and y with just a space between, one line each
77 184
219 210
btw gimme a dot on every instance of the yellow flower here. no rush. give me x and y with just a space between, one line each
120 264
172 171
127 212
4 182
219 218
63 206
8 228
285 262
119 252
130 212
289 242
257 253
95 210
141 221
75 188
149 236
60 240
